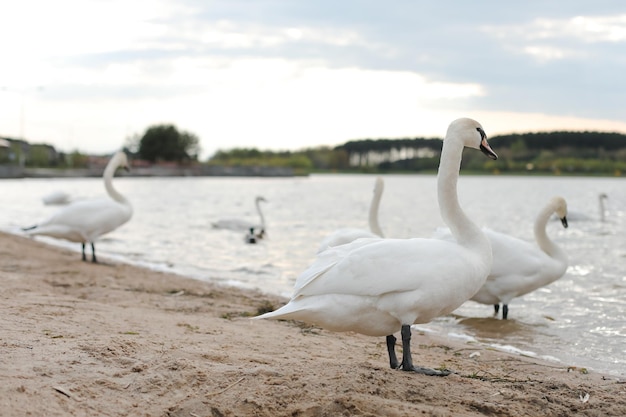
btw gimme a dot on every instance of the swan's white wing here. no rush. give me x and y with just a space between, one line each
327 259
372 267
519 267
56 198
514 256
89 218
235 224
343 236
511 256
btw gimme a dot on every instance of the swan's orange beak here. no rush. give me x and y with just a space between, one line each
484 146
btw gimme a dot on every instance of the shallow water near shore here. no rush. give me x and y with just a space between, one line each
579 320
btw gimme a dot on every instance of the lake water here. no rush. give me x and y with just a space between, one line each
579 320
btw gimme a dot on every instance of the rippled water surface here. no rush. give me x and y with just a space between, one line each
579 320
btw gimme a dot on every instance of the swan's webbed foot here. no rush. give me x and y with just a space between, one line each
427 371
407 360
496 309
505 311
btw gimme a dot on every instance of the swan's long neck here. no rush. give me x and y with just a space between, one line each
373 218
109 171
258 209
465 232
602 208
541 237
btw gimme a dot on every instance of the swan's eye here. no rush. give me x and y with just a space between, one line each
483 135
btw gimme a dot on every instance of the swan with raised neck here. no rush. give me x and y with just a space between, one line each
375 206
257 202
85 221
380 286
119 160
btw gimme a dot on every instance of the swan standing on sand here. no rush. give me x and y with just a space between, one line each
244 225
347 235
86 220
379 286
520 267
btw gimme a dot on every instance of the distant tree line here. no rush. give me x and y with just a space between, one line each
550 152
303 161
562 139
559 152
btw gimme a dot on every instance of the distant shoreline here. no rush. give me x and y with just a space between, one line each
15 172
153 171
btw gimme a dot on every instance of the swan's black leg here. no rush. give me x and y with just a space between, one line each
84 257
391 348
407 361
496 308
93 253
505 311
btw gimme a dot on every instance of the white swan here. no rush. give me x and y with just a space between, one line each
86 220
242 224
347 235
520 267
56 198
379 286
601 198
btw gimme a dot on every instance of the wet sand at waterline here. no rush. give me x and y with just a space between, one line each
116 340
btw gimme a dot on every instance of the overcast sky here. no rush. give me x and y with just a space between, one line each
289 74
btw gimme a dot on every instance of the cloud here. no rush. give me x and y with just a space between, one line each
556 39
292 73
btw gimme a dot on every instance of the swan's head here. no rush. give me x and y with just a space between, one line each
560 209
471 134
121 160
260 199
602 196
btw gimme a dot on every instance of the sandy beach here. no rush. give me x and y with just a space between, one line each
110 339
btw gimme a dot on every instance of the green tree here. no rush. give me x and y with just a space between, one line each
166 143
41 156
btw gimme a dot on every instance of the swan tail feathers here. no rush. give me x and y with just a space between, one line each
282 313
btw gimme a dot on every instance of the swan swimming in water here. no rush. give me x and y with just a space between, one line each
245 225
577 216
518 266
601 199
380 286
347 235
56 198
85 221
